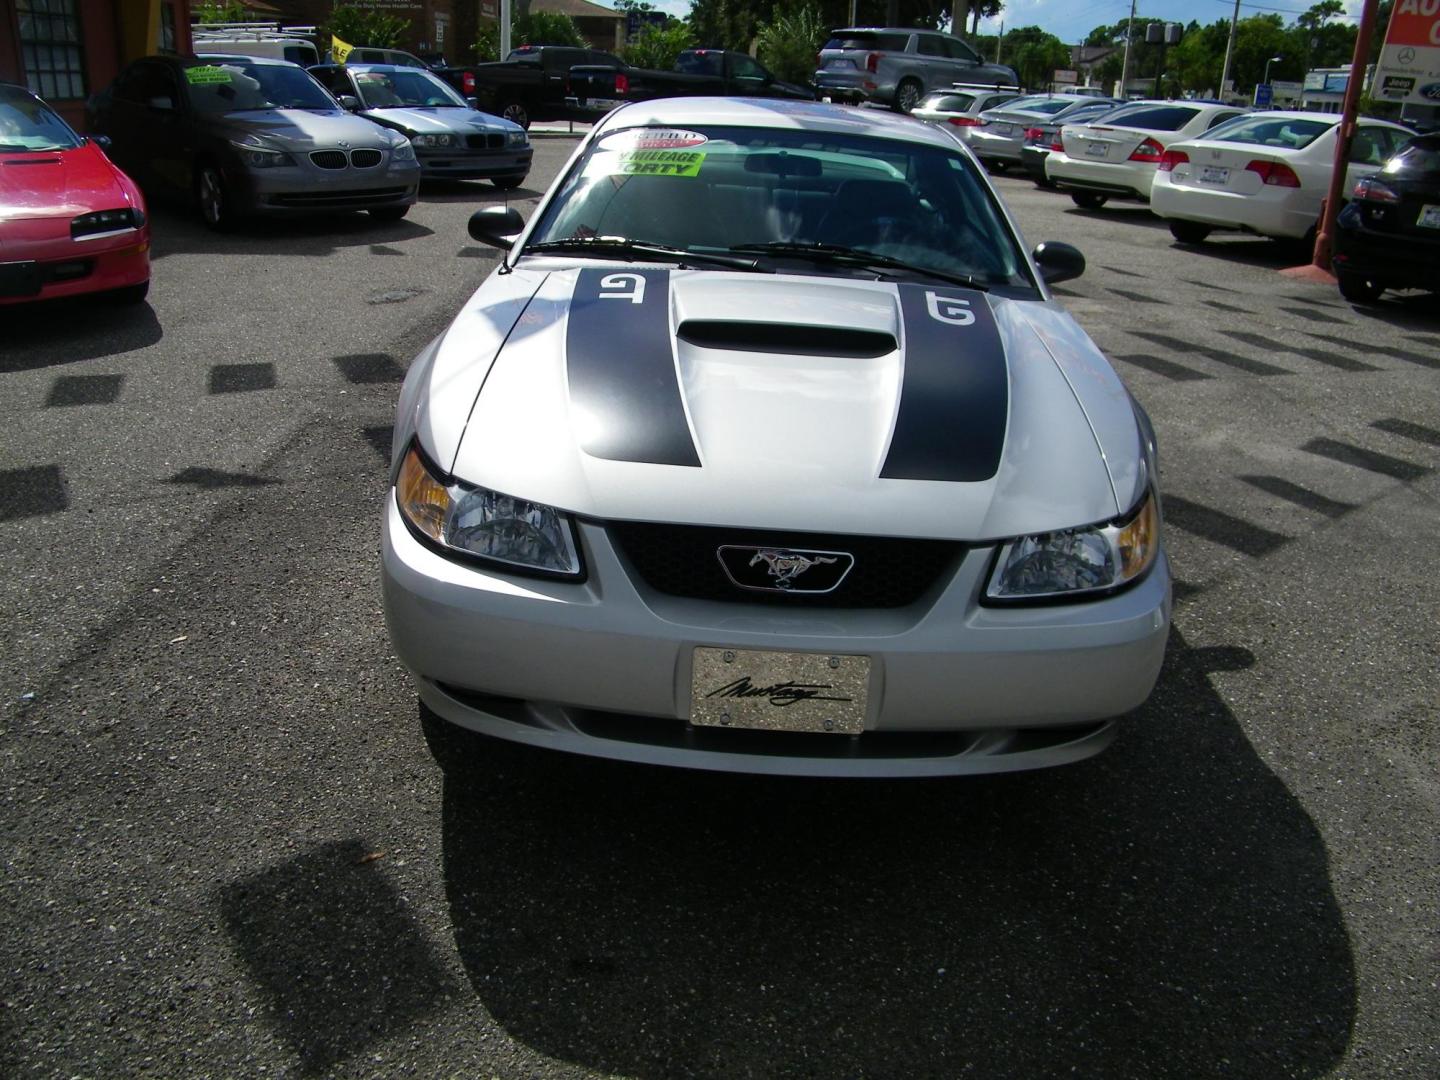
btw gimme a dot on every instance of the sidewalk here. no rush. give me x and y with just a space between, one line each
559 129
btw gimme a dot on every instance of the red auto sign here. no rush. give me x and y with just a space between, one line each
1409 68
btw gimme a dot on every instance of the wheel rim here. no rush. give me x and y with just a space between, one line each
909 95
516 114
212 199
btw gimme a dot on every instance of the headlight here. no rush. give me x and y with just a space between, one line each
258 157
517 138
402 151
106 221
433 140
482 524
1097 559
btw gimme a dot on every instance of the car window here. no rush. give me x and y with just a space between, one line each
994 101
1044 106
948 102
405 89
1290 132
237 86
921 203
958 50
1221 118
145 83
26 123
700 62
1155 117
868 40
1420 157
930 45
746 68
1370 146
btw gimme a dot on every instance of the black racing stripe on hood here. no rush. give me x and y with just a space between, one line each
955 393
621 366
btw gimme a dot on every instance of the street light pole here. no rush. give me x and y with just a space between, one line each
1229 50
1125 63
504 29
1272 60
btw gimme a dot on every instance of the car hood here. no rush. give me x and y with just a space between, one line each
301 129
426 121
59 185
779 402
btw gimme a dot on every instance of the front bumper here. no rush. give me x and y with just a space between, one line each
1400 261
57 268
1121 181
304 189
603 668
989 147
472 165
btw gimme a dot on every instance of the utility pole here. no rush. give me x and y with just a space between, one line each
505 28
1000 41
959 15
1125 63
1229 50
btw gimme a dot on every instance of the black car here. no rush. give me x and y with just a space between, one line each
1044 138
1388 235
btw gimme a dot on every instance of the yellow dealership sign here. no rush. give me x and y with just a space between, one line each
340 50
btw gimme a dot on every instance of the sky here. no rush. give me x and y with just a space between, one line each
1071 20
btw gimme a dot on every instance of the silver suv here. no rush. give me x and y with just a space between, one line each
895 66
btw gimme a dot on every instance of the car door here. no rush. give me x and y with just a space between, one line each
146 124
932 62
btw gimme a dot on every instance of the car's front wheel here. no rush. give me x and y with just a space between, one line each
1357 288
213 198
1089 200
389 213
1189 232
907 96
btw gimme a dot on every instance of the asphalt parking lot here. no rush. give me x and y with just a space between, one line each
229 852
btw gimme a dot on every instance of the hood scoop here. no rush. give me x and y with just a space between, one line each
788 338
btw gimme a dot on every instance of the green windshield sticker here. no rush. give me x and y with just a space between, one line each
660 163
206 76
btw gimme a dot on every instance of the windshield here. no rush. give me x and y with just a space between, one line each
1044 106
404 90
238 86
28 124
1153 117
948 102
711 190
1290 133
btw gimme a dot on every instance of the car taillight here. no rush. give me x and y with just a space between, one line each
872 62
622 83
467 80
965 121
1057 144
1274 173
1033 135
1149 150
1170 158
1375 191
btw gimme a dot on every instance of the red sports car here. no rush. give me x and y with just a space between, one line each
70 221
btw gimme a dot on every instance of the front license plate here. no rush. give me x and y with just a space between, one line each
1212 175
19 279
1097 149
779 691
1429 217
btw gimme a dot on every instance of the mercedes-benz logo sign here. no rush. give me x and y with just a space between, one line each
1406 56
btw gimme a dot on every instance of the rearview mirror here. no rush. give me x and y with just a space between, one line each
1058 262
496 225
349 102
782 164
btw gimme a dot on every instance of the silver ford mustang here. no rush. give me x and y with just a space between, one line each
766 449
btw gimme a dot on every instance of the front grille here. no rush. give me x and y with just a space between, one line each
681 560
485 142
339 198
365 159
329 159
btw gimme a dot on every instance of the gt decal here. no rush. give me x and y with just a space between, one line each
620 364
955 391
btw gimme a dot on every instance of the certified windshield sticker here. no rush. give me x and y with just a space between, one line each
207 76
653 139
659 163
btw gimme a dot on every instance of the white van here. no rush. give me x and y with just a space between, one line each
293 43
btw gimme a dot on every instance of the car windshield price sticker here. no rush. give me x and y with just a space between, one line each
206 76
660 163
653 139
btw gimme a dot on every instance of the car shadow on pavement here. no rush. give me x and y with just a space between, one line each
480 192
1163 909
180 232
73 329
1122 213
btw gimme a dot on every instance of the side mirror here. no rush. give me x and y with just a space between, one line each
496 225
349 102
1058 262
473 102
102 141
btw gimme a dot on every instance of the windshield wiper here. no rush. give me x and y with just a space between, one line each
604 246
838 253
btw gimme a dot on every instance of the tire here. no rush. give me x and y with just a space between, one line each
213 198
1041 182
129 295
907 95
507 183
997 167
1089 200
389 213
1357 288
1189 232
515 112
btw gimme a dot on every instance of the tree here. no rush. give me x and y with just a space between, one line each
987 9
364 26
658 47
541 28
789 41
216 11
1034 54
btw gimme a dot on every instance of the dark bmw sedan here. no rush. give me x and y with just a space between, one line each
1388 235
451 138
243 135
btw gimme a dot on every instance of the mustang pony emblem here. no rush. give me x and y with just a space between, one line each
786 566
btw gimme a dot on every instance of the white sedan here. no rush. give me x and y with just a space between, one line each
1116 159
1267 174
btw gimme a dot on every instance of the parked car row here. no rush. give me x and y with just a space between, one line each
1205 166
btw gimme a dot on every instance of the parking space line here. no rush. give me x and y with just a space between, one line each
1168 368
1313 316
31 492
1320 356
1218 306
235 378
1387 350
1221 528
1134 297
84 390
370 368
1300 496
1220 356
1406 430
1371 460
1122 273
1208 285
